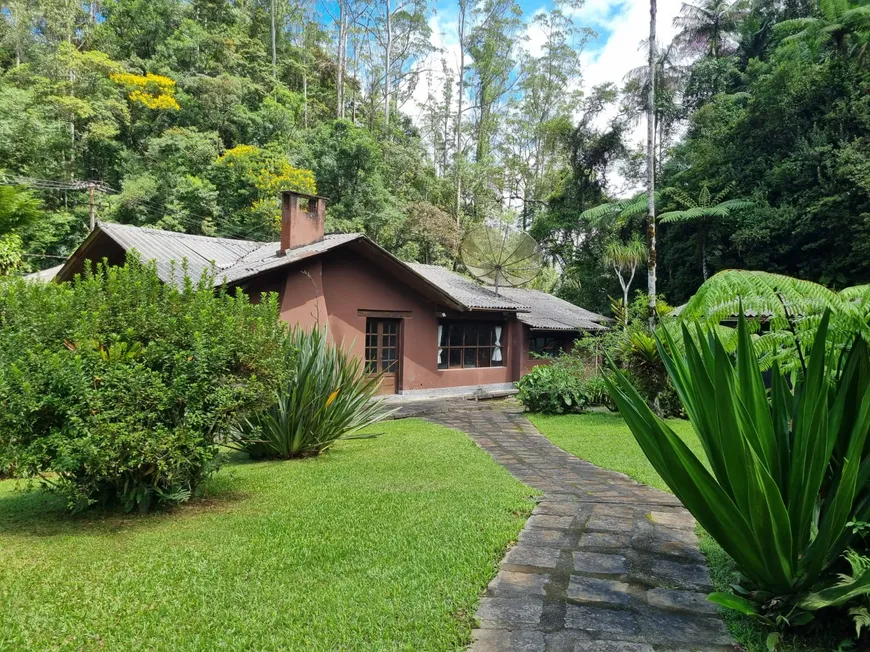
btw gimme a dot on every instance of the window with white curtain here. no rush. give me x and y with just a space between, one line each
470 344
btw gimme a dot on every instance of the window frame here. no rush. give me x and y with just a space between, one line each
446 347
563 343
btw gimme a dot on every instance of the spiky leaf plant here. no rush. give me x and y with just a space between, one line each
330 399
788 471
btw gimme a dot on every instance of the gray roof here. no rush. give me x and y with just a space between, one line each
547 312
266 257
235 260
540 310
466 291
230 260
44 275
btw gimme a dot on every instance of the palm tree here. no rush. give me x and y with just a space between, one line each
708 25
840 22
618 212
669 77
624 257
703 211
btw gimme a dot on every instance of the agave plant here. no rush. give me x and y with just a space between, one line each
329 399
790 473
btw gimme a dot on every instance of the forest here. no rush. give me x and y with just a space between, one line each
190 115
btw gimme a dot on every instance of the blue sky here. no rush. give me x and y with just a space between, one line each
620 26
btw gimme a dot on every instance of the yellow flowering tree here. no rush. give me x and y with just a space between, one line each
152 91
250 180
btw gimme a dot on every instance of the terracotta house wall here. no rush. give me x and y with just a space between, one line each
303 299
333 289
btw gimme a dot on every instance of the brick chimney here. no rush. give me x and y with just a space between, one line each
301 227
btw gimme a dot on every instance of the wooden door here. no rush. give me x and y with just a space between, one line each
383 352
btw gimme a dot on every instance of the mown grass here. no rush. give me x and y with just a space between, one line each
605 440
380 544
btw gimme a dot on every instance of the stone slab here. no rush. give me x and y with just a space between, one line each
509 611
595 619
513 583
599 563
538 556
592 590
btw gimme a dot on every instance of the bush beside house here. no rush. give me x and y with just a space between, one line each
113 388
574 380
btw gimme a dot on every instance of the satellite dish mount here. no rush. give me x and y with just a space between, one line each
500 256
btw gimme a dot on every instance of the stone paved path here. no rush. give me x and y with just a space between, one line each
604 564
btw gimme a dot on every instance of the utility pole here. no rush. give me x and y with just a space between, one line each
92 223
91 186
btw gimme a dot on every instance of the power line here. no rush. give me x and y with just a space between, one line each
51 184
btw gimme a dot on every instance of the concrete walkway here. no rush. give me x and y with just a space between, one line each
604 564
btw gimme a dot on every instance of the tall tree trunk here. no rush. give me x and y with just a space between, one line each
702 237
274 43
342 43
388 64
650 165
354 101
305 99
457 155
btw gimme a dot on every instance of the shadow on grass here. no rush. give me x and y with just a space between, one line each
36 512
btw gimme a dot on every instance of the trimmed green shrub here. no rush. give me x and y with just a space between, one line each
788 492
114 387
552 389
329 399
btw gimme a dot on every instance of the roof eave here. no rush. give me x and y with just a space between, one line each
79 253
518 309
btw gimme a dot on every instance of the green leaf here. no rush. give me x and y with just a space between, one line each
772 641
734 602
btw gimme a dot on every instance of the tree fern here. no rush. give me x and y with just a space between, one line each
785 312
702 211
616 212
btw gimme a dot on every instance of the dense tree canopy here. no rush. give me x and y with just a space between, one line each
192 115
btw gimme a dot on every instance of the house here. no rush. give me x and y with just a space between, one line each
424 327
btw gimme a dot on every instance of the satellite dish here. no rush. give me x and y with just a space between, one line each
501 256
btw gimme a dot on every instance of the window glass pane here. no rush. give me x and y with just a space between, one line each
484 355
455 358
471 333
443 363
456 334
470 358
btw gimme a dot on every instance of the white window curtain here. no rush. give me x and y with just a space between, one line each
440 350
496 350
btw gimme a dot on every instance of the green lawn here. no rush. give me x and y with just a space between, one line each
605 440
380 544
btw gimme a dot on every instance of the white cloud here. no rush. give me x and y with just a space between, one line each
626 28
620 24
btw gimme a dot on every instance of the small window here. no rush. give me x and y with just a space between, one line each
548 346
470 344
